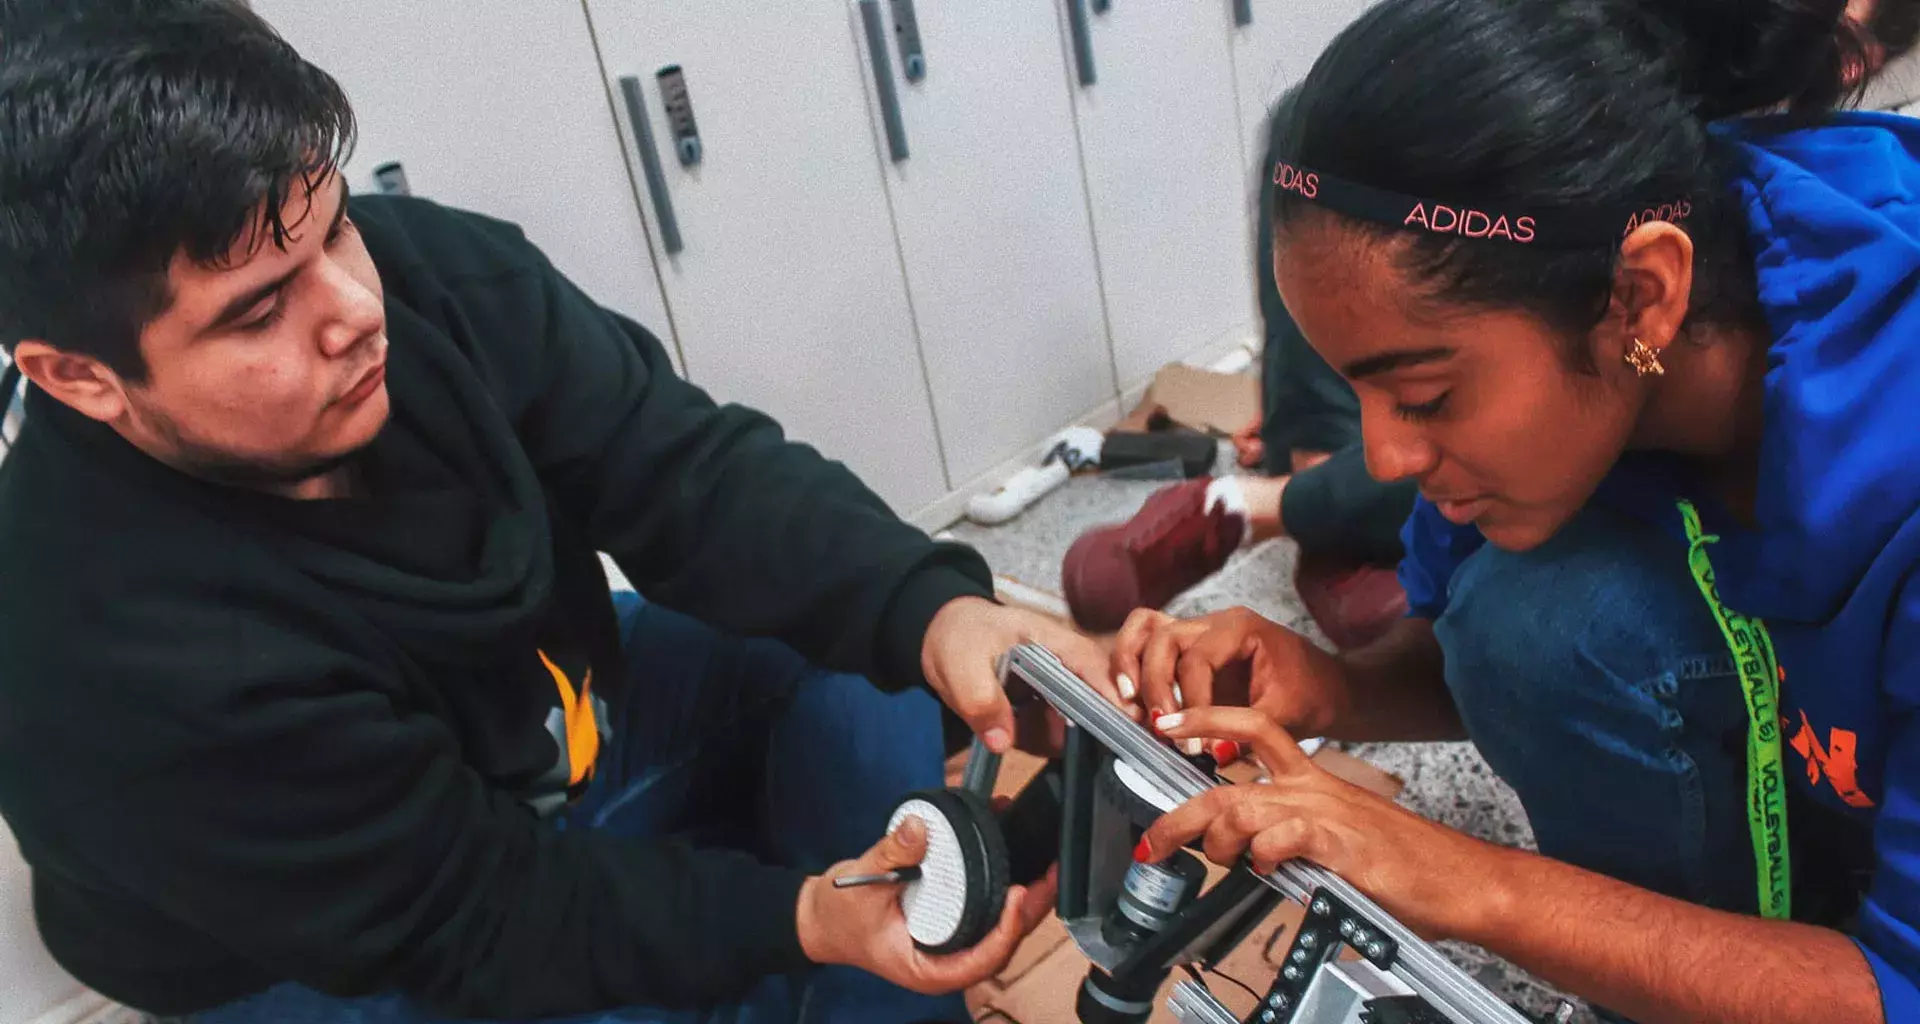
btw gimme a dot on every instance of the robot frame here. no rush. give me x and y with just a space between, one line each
1350 961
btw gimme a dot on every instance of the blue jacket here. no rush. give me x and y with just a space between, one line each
1833 566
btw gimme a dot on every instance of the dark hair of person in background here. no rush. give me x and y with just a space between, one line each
1894 25
1581 103
101 186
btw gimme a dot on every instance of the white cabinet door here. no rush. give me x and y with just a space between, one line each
495 106
1273 52
788 294
1160 132
993 227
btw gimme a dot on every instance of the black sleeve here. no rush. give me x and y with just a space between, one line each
333 839
710 509
1338 507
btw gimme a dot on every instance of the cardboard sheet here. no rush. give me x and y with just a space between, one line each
1217 403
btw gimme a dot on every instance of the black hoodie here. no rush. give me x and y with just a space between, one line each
247 740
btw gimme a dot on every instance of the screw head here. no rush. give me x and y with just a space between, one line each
1308 940
1321 907
1347 928
1291 974
1376 950
1361 936
1278 1000
1268 1016
1299 956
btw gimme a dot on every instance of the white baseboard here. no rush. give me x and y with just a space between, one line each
1225 351
948 510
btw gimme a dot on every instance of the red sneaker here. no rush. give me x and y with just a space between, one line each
1354 604
1172 543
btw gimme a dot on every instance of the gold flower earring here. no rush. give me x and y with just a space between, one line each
1644 360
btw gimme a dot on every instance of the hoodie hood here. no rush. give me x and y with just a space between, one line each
1834 219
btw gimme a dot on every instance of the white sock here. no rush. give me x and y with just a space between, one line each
1225 493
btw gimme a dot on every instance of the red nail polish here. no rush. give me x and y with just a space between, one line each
1142 853
1225 752
1153 717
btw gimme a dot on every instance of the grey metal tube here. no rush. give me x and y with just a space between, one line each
883 80
650 165
1082 39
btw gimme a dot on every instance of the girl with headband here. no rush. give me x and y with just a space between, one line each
1653 361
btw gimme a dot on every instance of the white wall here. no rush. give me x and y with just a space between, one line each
31 984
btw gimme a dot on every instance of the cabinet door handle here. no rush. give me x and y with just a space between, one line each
1082 38
650 165
679 106
391 179
883 79
906 25
1243 12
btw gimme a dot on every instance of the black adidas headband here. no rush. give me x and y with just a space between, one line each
1549 227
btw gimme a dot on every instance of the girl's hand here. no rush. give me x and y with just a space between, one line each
1234 657
1438 881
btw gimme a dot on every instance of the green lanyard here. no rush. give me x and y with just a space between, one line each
1752 651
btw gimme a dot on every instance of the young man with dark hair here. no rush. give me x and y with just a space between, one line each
314 704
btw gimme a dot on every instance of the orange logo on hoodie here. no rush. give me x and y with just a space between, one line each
1838 760
579 720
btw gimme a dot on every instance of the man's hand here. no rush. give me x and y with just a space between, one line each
865 927
961 660
1234 657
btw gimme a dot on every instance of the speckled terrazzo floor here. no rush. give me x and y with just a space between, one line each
1445 781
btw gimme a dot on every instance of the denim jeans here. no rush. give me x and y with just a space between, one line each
729 741
1595 681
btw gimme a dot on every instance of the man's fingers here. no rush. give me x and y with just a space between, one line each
1085 659
1041 897
903 847
1275 748
956 971
980 701
1056 731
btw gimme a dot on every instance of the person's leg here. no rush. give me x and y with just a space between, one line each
838 761
1185 533
738 742
813 763
774 1001
1592 677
